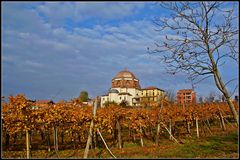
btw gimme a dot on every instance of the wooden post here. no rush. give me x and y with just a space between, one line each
119 134
105 144
170 129
222 121
141 136
157 134
89 140
188 127
55 133
28 144
49 141
62 135
208 123
197 127
208 128
170 133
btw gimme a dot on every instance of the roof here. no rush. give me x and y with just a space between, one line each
44 101
113 91
152 88
185 90
125 74
125 93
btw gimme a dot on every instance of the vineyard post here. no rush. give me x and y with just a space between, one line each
55 138
158 131
94 140
197 127
208 123
119 134
89 140
48 141
105 144
27 144
221 119
141 136
228 122
188 127
170 129
62 135
208 128
170 133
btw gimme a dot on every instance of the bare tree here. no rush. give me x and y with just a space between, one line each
171 95
201 36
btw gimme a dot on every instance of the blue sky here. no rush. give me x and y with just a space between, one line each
62 48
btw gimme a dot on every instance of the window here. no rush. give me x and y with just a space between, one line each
119 97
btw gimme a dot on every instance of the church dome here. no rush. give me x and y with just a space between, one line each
113 91
125 79
125 74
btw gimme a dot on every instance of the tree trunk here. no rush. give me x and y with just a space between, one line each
119 134
28 144
134 137
62 136
219 83
79 138
42 135
14 138
7 140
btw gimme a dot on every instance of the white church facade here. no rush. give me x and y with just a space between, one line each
125 87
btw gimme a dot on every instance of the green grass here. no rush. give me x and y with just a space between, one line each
224 145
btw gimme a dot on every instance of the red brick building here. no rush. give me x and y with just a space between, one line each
186 96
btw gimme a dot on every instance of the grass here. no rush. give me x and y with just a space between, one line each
222 145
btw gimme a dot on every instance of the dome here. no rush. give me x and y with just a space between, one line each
125 74
113 91
125 79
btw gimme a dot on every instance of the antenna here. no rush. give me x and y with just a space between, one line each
192 84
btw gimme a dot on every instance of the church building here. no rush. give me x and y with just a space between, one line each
126 87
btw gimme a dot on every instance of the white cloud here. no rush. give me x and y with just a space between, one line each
58 12
49 56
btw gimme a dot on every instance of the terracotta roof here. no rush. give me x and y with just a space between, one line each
125 74
43 101
185 90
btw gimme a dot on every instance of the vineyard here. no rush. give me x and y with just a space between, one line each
65 125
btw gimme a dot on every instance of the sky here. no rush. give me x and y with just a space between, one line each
55 50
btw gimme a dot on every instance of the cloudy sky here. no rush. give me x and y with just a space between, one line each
54 50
